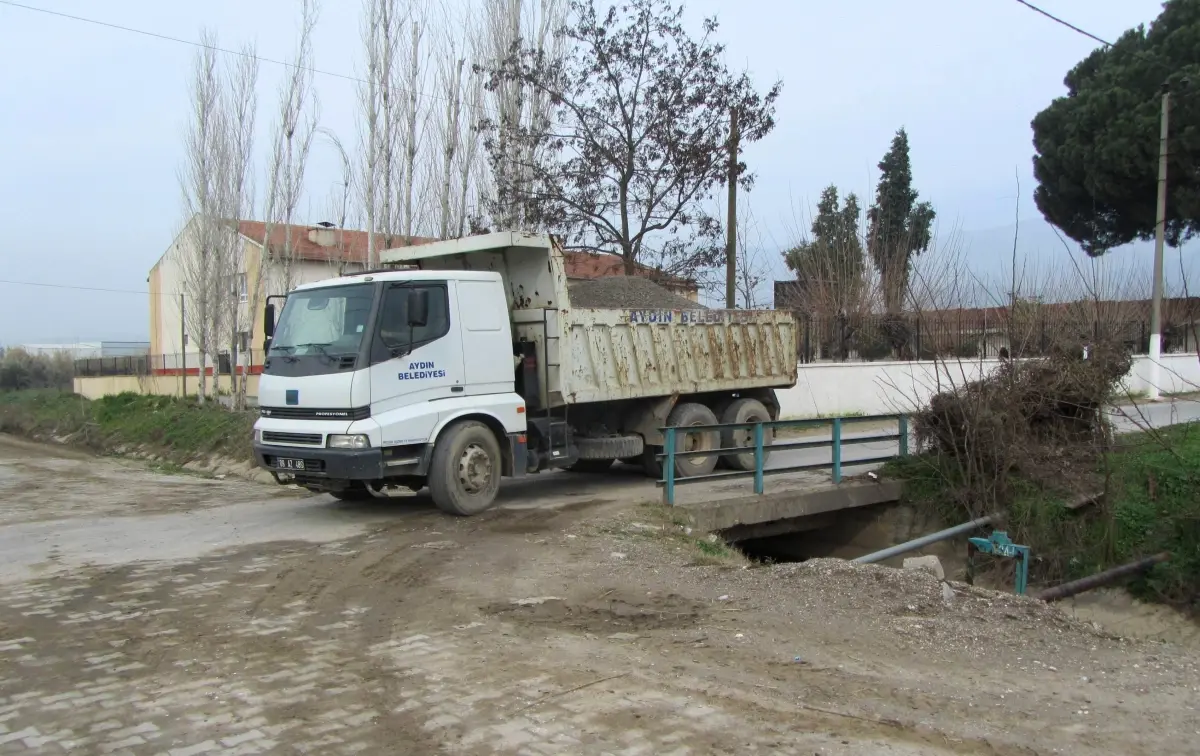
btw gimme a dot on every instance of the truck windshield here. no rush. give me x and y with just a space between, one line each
323 322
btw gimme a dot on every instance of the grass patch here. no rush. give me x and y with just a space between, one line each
1151 505
178 430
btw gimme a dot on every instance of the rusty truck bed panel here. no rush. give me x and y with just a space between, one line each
596 355
622 354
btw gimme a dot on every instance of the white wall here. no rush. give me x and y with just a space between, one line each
885 388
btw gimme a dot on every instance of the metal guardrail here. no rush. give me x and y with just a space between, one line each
670 453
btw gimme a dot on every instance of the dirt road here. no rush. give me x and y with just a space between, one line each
143 613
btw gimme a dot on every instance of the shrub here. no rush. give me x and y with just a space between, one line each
21 370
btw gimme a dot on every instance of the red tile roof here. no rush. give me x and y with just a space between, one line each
351 246
598 265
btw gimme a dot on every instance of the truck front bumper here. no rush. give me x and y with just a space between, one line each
320 463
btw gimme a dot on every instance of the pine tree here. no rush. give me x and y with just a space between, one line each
829 265
898 226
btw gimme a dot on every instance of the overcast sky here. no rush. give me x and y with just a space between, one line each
91 123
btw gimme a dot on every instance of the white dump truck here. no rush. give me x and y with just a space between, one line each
467 360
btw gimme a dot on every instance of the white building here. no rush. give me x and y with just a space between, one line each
318 252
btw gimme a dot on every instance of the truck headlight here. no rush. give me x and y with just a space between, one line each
257 436
356 441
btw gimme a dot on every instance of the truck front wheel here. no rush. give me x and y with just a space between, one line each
464 474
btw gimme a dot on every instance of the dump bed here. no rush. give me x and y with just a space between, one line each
588 354
595 355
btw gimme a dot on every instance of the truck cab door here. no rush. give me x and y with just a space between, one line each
414 363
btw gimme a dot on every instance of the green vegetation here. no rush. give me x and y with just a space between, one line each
1150 506
898 226
178 430
21 370
1097 146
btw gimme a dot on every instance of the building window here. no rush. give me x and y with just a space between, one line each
243 293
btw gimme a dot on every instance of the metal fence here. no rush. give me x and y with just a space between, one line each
870 338
164 364
835 443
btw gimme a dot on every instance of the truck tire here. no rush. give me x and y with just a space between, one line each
688 414
591 466
464 474
608 447
745 411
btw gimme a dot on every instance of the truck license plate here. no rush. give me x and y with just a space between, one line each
289 464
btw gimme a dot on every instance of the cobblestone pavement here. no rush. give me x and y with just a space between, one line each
217 617
177 659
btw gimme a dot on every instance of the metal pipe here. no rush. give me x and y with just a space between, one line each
925 540
1067 590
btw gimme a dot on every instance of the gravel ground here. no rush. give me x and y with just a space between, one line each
578 627
627 292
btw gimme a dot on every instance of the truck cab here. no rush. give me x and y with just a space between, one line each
363 372
473 360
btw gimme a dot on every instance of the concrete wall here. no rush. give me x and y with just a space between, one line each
822 390
165 385
884 388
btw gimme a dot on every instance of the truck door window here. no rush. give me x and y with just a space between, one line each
394 329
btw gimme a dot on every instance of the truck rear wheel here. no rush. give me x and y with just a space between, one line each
689 414
464 474
745 411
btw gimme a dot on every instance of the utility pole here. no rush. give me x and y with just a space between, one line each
1160 229
182 351
731 216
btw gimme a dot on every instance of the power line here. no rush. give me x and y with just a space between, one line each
83 288
227 51
1067 24
179 40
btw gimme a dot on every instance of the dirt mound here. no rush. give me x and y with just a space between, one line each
911 604
626 292
611 612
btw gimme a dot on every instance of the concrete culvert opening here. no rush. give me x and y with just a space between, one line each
844 535
799 547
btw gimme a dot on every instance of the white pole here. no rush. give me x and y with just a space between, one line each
1159 237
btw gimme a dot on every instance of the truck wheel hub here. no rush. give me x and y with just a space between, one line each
474 469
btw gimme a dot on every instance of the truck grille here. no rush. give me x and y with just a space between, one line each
276 437
315 413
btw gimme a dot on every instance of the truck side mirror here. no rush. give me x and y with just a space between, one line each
269 320
418 307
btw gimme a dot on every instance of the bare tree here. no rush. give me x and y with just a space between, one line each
198 263
382 26
639 138
292 135
753 272
450 78
239 105
412 115
513 106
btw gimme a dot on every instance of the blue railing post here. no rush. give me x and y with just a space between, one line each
904 435
669 469
758 458
837 450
